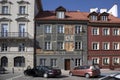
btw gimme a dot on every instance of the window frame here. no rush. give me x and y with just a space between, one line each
106 45
96 44
106 31
107 61
95 31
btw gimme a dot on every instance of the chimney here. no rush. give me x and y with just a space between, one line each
103 10
93 10
39 5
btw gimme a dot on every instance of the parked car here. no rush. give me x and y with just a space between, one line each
44 71
87 71
111 77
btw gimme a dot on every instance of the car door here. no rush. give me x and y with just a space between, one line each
81 71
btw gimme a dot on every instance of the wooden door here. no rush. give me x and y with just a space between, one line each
67 64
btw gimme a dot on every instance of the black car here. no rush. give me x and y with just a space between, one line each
44 71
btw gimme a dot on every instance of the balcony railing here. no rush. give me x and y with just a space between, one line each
7 35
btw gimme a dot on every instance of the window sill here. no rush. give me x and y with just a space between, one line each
5 14
22 14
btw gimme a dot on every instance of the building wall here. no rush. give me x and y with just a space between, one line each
101 53
13 41
68 53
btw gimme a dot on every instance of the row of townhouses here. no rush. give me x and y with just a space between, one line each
30 36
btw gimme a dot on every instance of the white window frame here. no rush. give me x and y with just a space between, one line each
78 29
53 62
107 61
6 4
42 61
48 46
106 45
21 47
60 28
25 11
116 60
78 45
60 14
95 60
116 31
48 28
95 45
116 46
78 62
93 17
104 18
106 31
95 31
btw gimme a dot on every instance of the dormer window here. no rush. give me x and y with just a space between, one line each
60 12
104 16
93 16
61 15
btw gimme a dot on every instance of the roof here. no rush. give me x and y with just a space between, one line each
73 16
69 15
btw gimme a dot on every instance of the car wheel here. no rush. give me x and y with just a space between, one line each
87 75
71 74
45 75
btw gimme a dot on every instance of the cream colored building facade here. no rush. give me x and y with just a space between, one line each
17 33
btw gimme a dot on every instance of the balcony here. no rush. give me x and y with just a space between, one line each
14 35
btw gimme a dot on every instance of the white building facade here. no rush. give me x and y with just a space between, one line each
17 34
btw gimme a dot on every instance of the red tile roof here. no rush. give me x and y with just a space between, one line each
72 15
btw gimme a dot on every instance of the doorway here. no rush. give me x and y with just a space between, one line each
67 64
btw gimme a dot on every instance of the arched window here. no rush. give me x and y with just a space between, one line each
4 61
19 61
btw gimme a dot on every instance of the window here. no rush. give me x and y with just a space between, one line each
116 31
48 29
4 30
95 61
105 61
104 18
78 62
5 10
60 45
21 47
95 46
61 15
106 46
4 47
42 61
22 9
53 62
106 31
19 62
116 60
116 46
93 18
95 31
78 45
48 46
78 29
21 30
4 61
60 29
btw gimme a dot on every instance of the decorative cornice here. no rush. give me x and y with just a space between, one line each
22 19
5 19
23 2
4 2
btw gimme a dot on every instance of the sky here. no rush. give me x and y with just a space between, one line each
81 5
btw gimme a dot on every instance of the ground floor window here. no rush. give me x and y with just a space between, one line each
42 61
53 62
95 60
4 61
78 62
105 61
19 61
116 61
